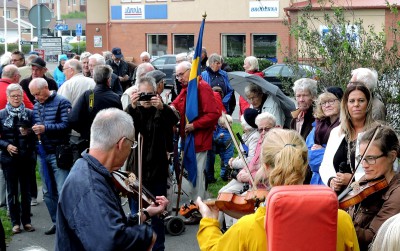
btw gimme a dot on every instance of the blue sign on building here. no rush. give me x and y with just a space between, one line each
78 29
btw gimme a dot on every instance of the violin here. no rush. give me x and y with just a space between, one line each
127 184
361 190
234 205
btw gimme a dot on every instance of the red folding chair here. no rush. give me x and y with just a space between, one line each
301 218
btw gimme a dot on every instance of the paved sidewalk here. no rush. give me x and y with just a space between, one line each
38 241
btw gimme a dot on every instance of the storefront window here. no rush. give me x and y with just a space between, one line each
233 45
183 43
264 46
157 44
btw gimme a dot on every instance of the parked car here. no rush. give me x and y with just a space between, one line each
166 64
278 74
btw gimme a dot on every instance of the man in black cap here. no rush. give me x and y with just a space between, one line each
159 77
120 67
38 71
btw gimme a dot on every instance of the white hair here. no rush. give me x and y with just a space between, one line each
109 126
306 84
100 60
145 54
5 59
265 116
367 76
244 124
388 236
253 62
85 55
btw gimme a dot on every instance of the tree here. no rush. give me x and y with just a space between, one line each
334 39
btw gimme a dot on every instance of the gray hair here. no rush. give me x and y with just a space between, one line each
85 55
265 116
147 81
100 60
145 54
367 76
75 65
244 124
13 87
181 57
109 126
9 71
184 64
101 74
39 83
107 55
213 58
388 236
5 59
253 62
306 84
142 69
253 88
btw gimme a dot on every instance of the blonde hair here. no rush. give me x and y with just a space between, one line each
323 97
285 153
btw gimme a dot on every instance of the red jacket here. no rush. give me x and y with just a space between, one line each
205 123
3 95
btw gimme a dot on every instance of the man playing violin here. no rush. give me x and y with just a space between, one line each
89 214
283 162
375 209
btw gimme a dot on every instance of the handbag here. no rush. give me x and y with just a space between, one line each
65 156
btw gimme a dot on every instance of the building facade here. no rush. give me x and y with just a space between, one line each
233 28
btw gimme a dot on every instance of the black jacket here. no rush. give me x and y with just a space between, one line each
82 115
25 85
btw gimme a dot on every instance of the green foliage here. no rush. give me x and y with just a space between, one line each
74 15
348 44
12 47
5 220
236 63
215 187
82 47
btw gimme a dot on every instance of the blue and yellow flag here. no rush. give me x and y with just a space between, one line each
192 108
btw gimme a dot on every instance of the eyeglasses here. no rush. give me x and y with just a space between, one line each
179 75
15 60
370 159
66 68
134 143
253 98
15 96
264 129
328 102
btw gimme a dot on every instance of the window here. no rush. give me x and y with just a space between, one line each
183 43
83 2
24 13
264 46
74 2
233 45
157 44
8 14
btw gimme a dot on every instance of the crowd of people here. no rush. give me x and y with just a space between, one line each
99 105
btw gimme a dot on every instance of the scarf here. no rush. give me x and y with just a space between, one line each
15 112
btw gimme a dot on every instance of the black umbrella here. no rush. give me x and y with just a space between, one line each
239 80
45 169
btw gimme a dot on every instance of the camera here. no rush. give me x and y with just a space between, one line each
146 96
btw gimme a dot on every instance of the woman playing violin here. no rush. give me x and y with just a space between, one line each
378 163
339 162
283 162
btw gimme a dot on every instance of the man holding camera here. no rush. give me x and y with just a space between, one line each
92 101
153 120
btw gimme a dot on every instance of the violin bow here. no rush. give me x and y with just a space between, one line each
140 148
349 188
228 126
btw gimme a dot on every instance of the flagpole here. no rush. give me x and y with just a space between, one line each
5 25
19 25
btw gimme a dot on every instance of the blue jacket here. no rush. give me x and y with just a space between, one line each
59 76
315 158
90 215
53 114
228 92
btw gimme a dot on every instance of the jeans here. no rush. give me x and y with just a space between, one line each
58 176
157 224
17 173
